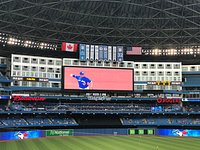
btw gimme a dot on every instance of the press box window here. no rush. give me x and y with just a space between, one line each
16 59
56 85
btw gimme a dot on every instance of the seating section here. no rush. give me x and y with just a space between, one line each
161 121
46 113
192 108
97 107
16 121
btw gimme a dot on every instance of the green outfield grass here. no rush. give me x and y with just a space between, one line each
105 143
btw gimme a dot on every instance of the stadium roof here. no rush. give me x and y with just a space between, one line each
148 23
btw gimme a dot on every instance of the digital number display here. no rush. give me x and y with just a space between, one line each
141 131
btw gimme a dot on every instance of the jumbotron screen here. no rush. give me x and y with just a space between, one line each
87 78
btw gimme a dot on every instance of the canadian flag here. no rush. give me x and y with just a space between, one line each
70 47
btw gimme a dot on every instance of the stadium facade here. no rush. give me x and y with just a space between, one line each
81 68
165 93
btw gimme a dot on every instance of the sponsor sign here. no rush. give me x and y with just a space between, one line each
178 132
27 98
67 132
168 100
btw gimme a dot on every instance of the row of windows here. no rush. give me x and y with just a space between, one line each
93 63
191 68
156 87
37 84
158 78
36 74
160 73
58 70
58 76
97 63
34 68
37 61
157 66
123 64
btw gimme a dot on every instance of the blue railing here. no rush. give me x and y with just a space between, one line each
4 79
3 66
23 88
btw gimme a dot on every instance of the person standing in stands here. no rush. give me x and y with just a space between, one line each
83 82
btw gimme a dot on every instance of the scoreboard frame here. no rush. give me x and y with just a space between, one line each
95 91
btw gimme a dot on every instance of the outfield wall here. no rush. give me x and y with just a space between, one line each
95 132
178 132
20 135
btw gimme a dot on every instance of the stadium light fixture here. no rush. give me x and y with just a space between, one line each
15 40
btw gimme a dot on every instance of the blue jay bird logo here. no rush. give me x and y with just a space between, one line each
21 135
179 132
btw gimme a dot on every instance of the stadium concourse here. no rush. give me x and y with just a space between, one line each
106 69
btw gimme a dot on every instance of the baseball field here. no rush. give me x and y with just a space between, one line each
104 143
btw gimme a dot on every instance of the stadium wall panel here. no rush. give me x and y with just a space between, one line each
96 132
178 132
20 135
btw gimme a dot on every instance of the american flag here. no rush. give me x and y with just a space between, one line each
134 51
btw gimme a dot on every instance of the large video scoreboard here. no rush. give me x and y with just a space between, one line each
101 79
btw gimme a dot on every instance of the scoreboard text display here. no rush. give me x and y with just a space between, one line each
159 82
33 79
164 83
141 131
87 78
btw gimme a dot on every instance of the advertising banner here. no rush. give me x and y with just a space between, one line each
27 98
21 135
178 132
168 100
66 132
